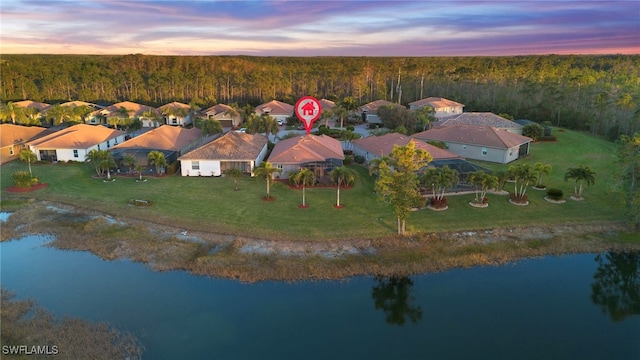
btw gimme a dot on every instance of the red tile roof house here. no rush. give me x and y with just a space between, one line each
172 141
482 119
135 110
443 108
232 150
319 154
227 115
73 143
369 111
176 113
374 147
33 104
276 109
479 142
13 139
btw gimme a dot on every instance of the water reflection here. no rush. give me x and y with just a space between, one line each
616 284
393 296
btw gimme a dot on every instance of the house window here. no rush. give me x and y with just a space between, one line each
511 152
464 147
484 151
446 146
108 144
195 165
75 153
10 150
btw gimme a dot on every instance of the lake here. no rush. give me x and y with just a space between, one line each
549 308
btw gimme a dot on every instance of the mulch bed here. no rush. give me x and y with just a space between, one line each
17 189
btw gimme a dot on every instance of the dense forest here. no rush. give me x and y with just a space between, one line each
600 94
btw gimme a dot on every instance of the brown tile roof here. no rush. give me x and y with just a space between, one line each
384 144
16 134
164 137
327 104
306 148
275 107
480 118
230 146
135 109
82 103
174 105
219 109
435 102
373 106
33 104
487 136
81 136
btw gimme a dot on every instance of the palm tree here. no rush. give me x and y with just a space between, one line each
139 169
266 171
59 114
441 179
107 163
582 175
342 176
540 170
483 182
96 157
304 177
128 161
79 113
12 112
32 116
269 124
210 126
522 175
235 174
28 156
157 159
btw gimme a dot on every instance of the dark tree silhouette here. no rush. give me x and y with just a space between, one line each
393 296
616 284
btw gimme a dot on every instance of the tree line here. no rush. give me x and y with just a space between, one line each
596 93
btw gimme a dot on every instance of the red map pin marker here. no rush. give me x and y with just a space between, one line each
308 110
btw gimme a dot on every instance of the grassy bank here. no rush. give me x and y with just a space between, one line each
210 204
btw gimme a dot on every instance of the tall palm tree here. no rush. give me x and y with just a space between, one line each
107 163
582 175
28 156
342 175
11 111
522 175
483 182
304 177
441 179
541 170
79 113
266 170
235 174
58 114
95 157
32 116
157 159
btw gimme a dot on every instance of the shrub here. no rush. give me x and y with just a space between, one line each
348 160
359 159
555 194
351 128
23 179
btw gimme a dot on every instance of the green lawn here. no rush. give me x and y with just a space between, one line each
211 204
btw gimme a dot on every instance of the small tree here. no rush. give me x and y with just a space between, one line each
235 174
157 159
95 158
28 156
266 171
522 175
304 177
534 131
107 162
342 176
483 182
128 161
541 170
440 180
581 175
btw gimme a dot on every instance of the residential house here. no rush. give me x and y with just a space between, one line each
443 108
375 147
75 142
225 114
149 116
176 113
233 150
319 154
172 141
13 139
479 142
482 119
32 104
276 109
327 104
369 111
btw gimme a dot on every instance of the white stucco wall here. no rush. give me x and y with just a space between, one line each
207 168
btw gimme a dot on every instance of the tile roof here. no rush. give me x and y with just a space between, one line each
81 103
327 104
435 102
81 136
306 148
373 106
174 105
230 146
384 144
219 109
487 136
16 134
135 109
275 107
480 118
32 104
164 137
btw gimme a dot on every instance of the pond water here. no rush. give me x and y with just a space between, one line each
553 307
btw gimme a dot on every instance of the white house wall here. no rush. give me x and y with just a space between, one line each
476 152
207 168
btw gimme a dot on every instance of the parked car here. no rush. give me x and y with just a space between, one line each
280 122
242 130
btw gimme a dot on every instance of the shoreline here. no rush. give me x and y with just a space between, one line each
248 259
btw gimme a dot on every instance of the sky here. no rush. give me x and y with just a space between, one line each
320 28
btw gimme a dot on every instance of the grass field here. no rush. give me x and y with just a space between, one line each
210 204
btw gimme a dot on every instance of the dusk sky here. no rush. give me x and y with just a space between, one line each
320 28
